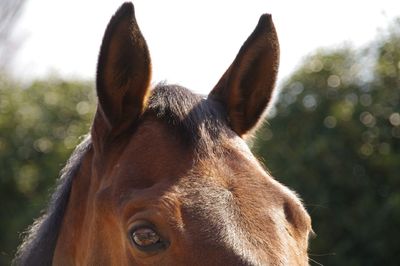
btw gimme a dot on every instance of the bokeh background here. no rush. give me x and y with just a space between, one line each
333 135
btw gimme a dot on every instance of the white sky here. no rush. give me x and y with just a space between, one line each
191 42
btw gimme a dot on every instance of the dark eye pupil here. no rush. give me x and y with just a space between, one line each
145 237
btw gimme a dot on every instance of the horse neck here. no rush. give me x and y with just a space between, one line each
71 239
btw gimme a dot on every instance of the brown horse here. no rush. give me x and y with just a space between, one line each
165 177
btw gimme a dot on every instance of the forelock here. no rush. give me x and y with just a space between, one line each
198 121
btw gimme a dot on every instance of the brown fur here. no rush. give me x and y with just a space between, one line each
177 161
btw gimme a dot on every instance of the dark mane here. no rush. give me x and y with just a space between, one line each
198 121
41 238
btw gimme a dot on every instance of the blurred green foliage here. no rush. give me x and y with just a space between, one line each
335 138
39 126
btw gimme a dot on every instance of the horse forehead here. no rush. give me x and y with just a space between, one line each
229 179
153 154
157 152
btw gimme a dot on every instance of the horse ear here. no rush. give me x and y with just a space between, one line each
123 74
246 87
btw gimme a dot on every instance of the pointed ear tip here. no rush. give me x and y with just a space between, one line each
126 9
267 16
266 20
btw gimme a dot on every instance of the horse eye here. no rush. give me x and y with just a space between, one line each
146 239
